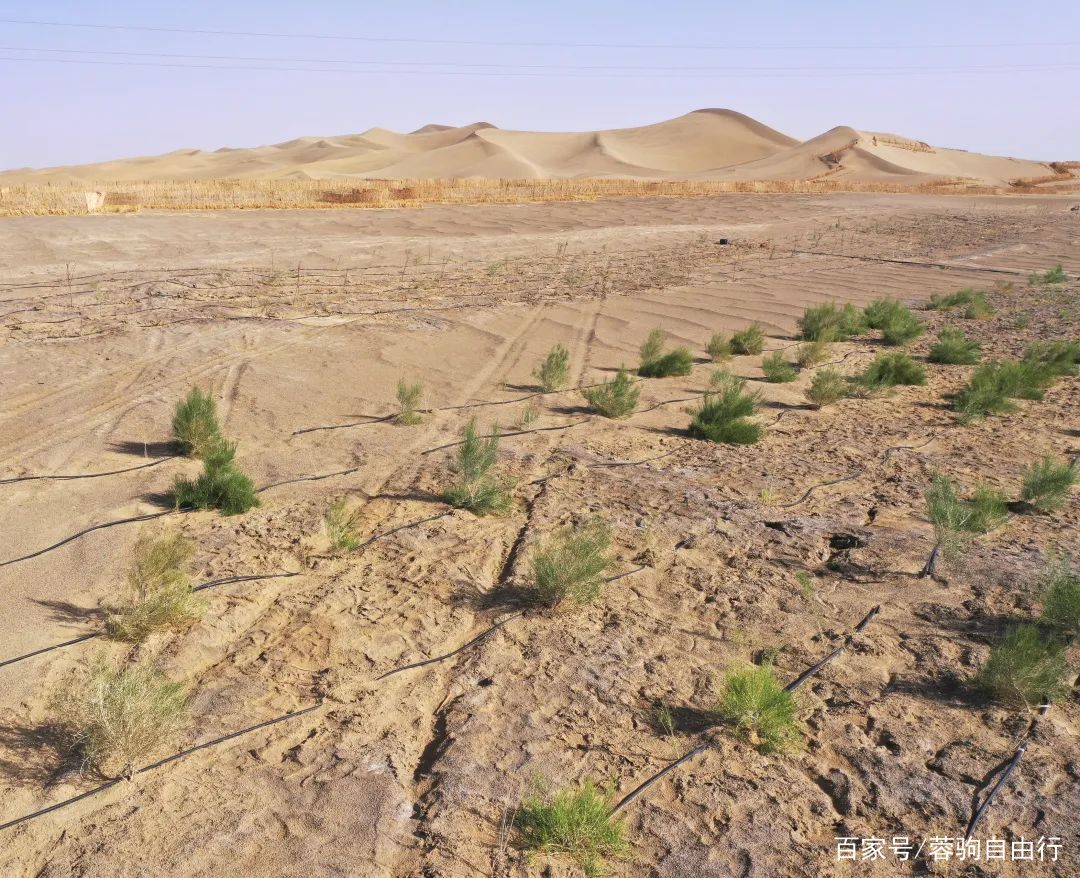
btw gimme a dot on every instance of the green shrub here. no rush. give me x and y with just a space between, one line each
408 397
979 308
954 348
574 822
1025 668
219 486
892 368
195 425
1055 358
554 372
881 312
811 353
116 717
829 323
902 331
948 301
342 524
615 398
778 370
159 590
657 364
478 488
1061 596
1047 483
719 348
760 708
955 519
748 341
1055 275
571 564
722 415
993 385
826 387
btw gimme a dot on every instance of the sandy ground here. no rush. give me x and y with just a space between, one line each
105 322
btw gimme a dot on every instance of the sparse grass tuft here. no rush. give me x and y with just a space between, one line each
159 589
527 415
719 347
116 717
554 372
722 415
478 488
811 353
778 370
954 348
571 564
195 425
1061 596
657 364
1047 483
1055 275
748 341
408 397
948 301
341 526
826 387
1025 668
219 486
575 822
615 398
829 323
761 709
892 368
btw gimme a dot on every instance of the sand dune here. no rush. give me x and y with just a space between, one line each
706 144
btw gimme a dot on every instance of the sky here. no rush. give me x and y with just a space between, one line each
994 77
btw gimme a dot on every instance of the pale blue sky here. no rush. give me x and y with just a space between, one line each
996 77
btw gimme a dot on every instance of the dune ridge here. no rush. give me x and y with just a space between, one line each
708 144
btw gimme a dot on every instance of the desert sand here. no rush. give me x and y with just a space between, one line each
711 144
302 320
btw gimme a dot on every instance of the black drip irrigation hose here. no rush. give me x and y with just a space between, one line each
343 472
1012 763
161 762
213 583
986 269
806 494
512 433
71 478
704 745
107 524
431 661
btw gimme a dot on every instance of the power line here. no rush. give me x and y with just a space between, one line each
515 73
517 44
922 68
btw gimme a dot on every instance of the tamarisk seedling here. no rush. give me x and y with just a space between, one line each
979 308
342 524
719 347
778 370
829 323
1061 596
722 415
948 301
574 822
554 372
1046 484
892 368
811 353
748 341
408 397
478 488
1026 668
159 589
527 415
195 425
826 387
116 716
1055 358
993 386
954 348
219 486
657 364
956 521
1055 275
614 398
571 564
760 708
